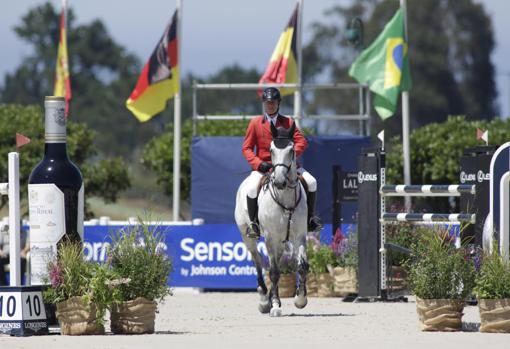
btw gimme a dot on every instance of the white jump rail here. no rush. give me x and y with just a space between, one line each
11 189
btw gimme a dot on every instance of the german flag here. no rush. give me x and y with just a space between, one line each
159 80
62 81
282 67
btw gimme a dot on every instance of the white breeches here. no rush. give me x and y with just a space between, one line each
255 176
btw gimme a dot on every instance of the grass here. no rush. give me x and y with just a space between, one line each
125 207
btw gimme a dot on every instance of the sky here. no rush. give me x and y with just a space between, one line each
217 33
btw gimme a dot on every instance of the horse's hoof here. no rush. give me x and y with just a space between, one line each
264 308
300 301
275 312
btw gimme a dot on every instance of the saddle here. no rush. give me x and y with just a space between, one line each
265 180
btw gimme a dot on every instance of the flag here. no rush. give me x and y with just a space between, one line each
62 80
159 80
282 67
21 140
384 66
380 135
483 135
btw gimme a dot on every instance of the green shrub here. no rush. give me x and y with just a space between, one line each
493 279
437 269
320 257
136 254
69 275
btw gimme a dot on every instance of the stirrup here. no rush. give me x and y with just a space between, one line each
315 224
253 231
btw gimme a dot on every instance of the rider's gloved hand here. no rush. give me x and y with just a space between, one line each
264 167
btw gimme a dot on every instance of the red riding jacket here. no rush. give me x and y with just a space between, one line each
257 140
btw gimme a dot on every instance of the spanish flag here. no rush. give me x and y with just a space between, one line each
62 80
282 67
159 80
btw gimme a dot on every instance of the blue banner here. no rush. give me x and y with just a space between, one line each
210 256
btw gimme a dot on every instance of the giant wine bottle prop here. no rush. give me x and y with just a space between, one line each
55 194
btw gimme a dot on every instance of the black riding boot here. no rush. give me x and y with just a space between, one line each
253 230
314 222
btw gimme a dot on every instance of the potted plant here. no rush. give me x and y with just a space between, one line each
344 273
136 254
492 288
80 290
321 260
441 277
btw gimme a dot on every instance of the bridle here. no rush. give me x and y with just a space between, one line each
295 185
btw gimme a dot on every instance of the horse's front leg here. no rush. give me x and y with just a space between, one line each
274 275
264 304
300 299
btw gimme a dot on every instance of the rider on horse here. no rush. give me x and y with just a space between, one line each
256 145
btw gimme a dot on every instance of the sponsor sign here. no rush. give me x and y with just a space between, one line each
205 256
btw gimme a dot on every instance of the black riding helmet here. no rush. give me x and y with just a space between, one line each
271 94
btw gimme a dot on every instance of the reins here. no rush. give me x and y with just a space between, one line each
274 196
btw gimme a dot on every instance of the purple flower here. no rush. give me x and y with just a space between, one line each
313 241
56 274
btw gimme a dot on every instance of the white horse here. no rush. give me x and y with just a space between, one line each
282 216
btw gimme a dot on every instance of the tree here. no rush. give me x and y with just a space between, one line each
158 153
450 44
436 149
104 179
102 77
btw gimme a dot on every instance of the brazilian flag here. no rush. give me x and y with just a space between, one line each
384 66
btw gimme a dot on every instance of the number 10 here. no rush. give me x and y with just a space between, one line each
10 306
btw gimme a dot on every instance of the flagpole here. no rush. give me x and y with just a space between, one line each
298 92
64 5
177 122
405 118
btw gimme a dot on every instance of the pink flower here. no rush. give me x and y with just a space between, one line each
56 274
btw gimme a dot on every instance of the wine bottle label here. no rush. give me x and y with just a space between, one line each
81 210
55 121
47 226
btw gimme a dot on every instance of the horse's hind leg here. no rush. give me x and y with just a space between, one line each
264 305
300 299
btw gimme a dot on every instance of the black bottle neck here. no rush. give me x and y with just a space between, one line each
55 150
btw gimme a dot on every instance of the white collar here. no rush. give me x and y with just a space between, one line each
272 119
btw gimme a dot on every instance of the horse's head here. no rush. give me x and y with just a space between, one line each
283 156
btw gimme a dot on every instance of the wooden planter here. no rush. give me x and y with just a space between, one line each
286 285
311 285
319 285
345 281
494 315
133 317
440 314
76 317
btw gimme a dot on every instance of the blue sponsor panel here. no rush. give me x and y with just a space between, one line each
215 178
210 256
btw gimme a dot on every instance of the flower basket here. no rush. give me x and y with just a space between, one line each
324 285
440 314
345 281
494 315
133 317
77 317
311 285
286 285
